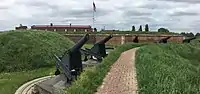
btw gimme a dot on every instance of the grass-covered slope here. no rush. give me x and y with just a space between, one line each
27 50
168 69
10 82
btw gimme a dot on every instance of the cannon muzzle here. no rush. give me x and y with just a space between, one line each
192 38
105 39
188 40
167 38
80 43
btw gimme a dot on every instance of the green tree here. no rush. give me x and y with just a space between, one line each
163 30
140 29
146 28
197 34
188 34
133 28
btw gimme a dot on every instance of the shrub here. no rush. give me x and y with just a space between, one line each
163 30
140 28
147 28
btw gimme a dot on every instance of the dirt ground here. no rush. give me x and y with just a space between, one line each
121 79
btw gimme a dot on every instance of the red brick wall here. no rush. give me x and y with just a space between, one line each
76 37
117 38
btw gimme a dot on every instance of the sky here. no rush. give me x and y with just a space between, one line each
175 15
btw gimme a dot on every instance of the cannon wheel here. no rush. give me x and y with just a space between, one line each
57 72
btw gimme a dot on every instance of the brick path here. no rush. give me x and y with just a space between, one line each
122 77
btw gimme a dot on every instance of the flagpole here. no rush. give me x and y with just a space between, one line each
93 19
93 14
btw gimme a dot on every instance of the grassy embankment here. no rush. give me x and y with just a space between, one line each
28 55
169 68
92 77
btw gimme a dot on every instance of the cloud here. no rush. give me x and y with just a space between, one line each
184 1
176 15
181 13
136 13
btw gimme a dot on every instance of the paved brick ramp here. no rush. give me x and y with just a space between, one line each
122 77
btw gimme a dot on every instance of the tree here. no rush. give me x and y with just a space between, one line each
146 28
191 34
197 34
133 28
188 34
95 29
163 30
140 29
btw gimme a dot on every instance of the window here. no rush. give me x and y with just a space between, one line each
74 30
65 30
85 30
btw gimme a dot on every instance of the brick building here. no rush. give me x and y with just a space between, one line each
63 28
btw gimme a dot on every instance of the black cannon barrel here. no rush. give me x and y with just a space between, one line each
167 38
80 43
188 40
192 38
103 41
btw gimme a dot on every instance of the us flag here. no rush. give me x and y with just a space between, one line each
94 7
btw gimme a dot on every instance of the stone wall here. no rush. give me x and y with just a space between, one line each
125 38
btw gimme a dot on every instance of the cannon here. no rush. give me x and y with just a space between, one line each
98 50
71 62
136 39
188 40
163 40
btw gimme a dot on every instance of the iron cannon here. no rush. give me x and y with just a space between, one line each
188 40
135 40
164 40
98 50
71 62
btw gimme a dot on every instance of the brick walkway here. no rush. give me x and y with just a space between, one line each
122 77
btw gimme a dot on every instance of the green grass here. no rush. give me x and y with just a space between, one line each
27 50
26 55
10 82
92 77
168 69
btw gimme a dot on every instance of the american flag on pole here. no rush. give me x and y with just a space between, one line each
94 7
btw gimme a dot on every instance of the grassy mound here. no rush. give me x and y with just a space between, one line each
11 81
169 69
92 77
27 50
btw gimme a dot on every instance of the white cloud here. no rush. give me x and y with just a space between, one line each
176 15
